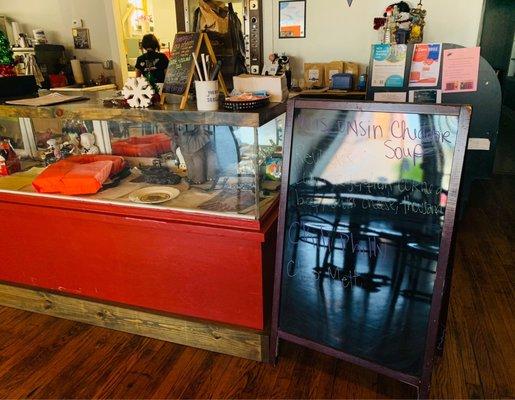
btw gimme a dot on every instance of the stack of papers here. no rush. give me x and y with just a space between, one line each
50 99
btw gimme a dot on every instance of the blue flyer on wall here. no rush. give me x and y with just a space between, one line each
389 61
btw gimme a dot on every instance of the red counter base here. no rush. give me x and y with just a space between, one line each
214 268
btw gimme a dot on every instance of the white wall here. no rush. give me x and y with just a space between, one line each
335 31
55 18
165 21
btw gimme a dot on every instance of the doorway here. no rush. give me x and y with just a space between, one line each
137 18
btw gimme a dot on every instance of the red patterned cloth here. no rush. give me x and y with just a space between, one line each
7 71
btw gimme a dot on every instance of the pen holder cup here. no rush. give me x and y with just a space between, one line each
207 95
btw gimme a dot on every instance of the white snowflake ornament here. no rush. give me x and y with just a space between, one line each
138 92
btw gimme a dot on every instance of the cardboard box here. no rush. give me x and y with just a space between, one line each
275 86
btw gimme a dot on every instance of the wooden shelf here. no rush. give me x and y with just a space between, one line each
168 113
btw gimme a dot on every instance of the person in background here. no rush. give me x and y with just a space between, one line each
152 62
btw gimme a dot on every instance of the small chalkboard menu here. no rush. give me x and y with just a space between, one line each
366 221
182 66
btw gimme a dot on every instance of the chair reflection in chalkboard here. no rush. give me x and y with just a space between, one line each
317 215
354 220
424 209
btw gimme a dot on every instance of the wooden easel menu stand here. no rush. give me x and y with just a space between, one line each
181 69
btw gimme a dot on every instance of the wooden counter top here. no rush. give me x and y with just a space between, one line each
94 110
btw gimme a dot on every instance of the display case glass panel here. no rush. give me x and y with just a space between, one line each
210 169
10 128
45 129
217 169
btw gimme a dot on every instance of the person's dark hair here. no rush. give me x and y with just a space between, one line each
149 41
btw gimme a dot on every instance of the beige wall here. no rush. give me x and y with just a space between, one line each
336 31
165 21
56 16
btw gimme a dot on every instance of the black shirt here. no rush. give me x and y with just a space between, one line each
154 63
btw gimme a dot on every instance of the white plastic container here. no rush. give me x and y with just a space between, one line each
207 95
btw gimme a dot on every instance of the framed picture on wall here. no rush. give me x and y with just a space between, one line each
81 38
292 19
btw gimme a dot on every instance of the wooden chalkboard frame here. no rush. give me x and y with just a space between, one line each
440 298
202 39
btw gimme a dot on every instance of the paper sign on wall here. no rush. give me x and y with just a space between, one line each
460 70
429 96
425 65
393 97
388 65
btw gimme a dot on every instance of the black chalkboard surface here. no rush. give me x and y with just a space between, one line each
366 220
181 66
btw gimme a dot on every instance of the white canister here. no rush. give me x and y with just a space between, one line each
207 95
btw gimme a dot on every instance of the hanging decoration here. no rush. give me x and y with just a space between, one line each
418 16
401 24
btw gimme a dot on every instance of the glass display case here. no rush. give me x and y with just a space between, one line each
12 130
221 169
166 210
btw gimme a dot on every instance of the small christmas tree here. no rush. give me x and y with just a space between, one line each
156 97
6 57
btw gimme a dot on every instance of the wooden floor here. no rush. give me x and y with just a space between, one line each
45 357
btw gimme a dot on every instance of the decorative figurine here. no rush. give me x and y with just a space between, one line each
54 148
181 160
74 142
278 65
87 142
379 25
52 153
9 160
138 92
402 22
274 167
418 16
70 147
390 26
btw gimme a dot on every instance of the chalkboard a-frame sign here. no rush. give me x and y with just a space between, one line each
366 222
181 67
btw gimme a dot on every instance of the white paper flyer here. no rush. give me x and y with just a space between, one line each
388 65
425 65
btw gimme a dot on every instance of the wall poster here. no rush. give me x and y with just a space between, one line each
388 64
292 19
460 72
425 64
81 38
365 228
